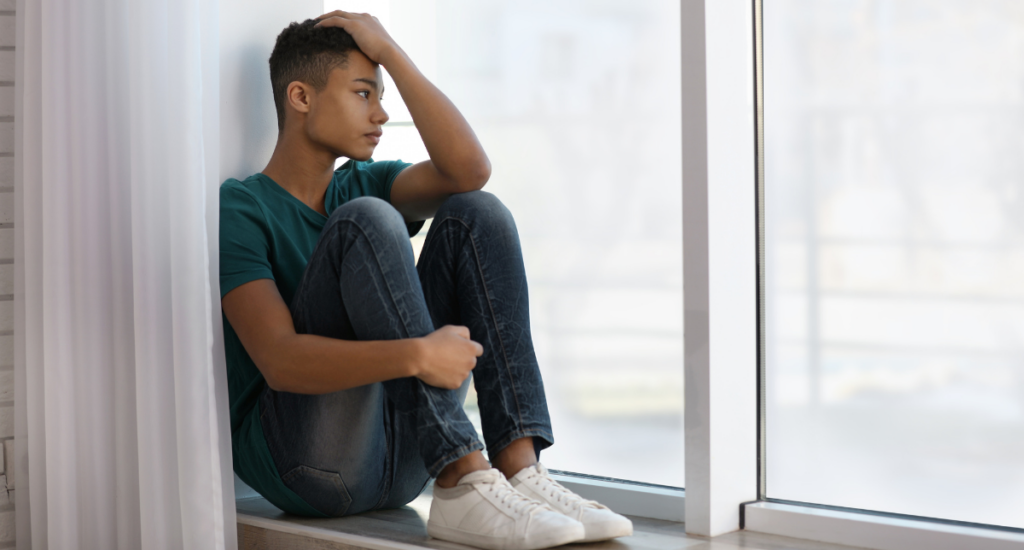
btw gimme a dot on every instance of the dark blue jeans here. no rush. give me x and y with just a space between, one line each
377 446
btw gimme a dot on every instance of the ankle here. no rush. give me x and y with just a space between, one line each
515 457
452 473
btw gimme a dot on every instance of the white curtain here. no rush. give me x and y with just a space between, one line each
122 433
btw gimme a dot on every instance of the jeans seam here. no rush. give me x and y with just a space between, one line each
494 319
388 457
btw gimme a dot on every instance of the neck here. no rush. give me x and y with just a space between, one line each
301 168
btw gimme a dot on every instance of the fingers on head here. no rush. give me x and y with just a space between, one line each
331 22
342 16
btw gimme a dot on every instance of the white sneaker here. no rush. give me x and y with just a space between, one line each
599 522
485 511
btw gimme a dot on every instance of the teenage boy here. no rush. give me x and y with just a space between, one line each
348 362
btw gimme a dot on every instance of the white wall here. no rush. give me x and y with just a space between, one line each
248 121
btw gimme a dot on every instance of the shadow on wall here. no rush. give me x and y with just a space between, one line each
248 120
256 100
248 116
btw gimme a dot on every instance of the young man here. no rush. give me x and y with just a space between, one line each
348 363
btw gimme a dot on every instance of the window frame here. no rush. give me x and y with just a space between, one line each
723 255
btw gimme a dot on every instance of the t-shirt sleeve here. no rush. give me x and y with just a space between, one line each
244 239
382 175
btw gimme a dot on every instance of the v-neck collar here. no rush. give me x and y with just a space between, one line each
305 208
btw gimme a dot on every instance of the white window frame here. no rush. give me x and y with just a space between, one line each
719 282
722 197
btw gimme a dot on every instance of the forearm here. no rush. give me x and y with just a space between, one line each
311 364
451 143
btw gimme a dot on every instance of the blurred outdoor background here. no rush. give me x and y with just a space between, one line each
577 103
894 147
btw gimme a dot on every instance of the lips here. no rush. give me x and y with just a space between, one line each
374 137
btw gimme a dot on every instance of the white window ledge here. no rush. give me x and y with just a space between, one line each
873 531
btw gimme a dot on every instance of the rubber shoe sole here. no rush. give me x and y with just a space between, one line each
574 533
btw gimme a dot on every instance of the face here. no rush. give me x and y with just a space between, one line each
346 116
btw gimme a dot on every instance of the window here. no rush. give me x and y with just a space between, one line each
894 248
577 104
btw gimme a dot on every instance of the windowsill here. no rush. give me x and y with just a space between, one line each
631 499
261 526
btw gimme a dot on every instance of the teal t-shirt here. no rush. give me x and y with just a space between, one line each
267 233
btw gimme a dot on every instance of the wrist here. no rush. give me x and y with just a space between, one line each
414 357
392 56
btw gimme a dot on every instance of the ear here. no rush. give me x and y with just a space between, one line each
298 96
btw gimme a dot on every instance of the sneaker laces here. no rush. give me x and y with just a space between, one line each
512 499
543 482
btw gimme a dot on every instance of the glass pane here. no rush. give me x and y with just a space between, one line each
578 106
894 132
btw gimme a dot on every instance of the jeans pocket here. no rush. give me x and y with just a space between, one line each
325 491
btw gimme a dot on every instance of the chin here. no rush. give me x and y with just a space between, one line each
362 156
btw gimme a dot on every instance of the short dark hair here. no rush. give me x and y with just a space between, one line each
306 53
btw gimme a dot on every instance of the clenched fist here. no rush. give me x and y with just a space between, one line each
447 356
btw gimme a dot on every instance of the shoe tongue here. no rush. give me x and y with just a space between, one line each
527 472
486 476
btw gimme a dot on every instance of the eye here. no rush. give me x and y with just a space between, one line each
367 92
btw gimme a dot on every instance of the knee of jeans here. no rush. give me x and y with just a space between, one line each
370 213
479 207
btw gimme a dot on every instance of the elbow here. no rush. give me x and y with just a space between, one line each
276 361
274 384
474 178
274 381
274 376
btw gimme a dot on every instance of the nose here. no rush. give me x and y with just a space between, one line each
380 116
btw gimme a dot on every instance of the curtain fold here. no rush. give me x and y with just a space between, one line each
121 415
